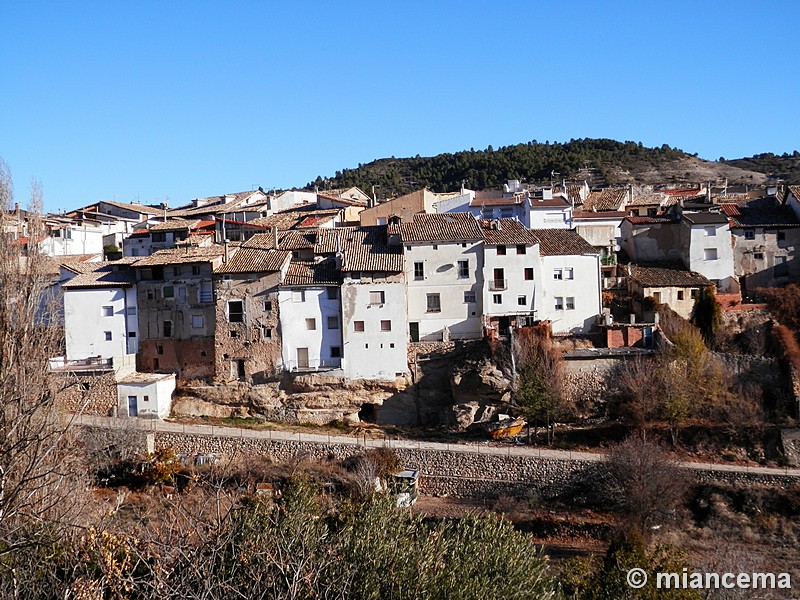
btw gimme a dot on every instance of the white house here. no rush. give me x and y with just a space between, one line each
443 264
707 248
511 274
67 237
570 293
146 395
374 318
546 210
100 310
310 316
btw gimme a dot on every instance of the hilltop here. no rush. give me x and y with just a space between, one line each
599 161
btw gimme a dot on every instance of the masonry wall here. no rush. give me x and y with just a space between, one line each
189 359
88 393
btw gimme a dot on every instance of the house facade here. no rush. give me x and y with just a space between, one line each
707 248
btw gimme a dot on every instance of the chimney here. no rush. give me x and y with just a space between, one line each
275 237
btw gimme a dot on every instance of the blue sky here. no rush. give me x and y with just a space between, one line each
153 100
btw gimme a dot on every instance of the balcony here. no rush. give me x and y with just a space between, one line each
608 261
497 285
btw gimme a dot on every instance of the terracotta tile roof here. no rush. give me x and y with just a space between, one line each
763 216
795 191
506 231
730 210
312 273
648 220
574 193
656 199
140 208
441 227
666 275
103 274
560 242
367 249
605 214
215 204
705 218
292 218
327 239
607 199
683 192
555 201
287 240
176 256
175 225
254 260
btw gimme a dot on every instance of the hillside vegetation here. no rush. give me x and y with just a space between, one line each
600 161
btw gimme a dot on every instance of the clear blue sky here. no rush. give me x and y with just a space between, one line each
149 100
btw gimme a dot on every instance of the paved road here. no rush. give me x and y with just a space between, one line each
477 448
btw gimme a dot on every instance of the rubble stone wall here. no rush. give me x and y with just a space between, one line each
89 394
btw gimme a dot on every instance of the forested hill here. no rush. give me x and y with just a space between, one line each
600 161
785 166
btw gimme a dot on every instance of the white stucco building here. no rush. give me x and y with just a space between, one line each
145 395
443 264
570 273
707 248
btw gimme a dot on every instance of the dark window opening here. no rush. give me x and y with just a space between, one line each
167 328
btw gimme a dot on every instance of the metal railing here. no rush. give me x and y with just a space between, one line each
498 284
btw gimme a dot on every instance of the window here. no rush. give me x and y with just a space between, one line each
559 303
558 274
146 398
167 328
758 255
233 333
501 250
469 297
419 270
408 248
710 254
657 297
376 297
235 311
711 231
108 311
131 310
155 364
434 303
569 273
168 292
336 351
522 300
159 349
150 294
158 236
386 325
266 333
463 268
176 271
107 335
195 269
497 298
436 246
781 235
570 303
298 296
268 306
781 266
198 322
528 273
521 249
332 293
749 234
333 322
680 294
463 244
131 334
695 293
358 326
311 324
355 275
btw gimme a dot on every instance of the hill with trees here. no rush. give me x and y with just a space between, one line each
785 167
599 161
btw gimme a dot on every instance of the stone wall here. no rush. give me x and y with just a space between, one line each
89 393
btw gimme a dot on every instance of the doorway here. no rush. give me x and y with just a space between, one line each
413 331
133 408
302 358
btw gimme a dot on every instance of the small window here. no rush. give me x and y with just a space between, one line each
522 300
569 273
386 325
195 269
235 311
268 306
333 322
695 294
358 326
176 271
657 297
298 296
131 310
159 349
355 275
758 255
521 249
463 244
408 247
469 297
559 304
528 273
558 274
436 246
266 333
711 231
198 322
233 333
107 335
433 303
680 294
501 250
376 297
463 269
146 398
132 334
167 328
336 351
710 254
168 292
311 324
497 298
333 293
150 295
749 234
419 270
155 364
108 311
570 303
